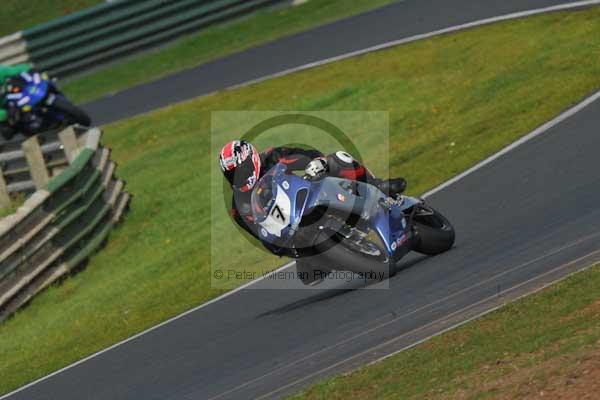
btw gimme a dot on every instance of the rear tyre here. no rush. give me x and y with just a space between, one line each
435 233
73 113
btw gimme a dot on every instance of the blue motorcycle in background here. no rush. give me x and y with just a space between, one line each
345 225
40 105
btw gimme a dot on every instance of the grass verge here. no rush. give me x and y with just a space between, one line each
17 15
547 345
453 100
212 43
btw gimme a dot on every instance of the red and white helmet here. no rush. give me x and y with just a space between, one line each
240 163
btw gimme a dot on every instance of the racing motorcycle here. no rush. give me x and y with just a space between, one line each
41 105
345 225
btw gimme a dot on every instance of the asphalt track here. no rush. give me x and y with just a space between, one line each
524 220
395 21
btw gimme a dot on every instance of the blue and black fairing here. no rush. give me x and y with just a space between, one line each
280 200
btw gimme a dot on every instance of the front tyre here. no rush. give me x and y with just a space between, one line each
72 113
435 233
337 253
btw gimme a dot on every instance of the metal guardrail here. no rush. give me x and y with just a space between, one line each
112 30
61 223
13 49
14 169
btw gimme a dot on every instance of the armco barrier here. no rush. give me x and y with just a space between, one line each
111 30
14 169
60 225
13 49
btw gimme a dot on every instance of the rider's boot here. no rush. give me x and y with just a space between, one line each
392 187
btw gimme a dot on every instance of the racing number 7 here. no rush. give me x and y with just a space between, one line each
277 214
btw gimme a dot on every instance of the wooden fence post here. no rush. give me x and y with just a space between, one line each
35 159
68 139
4 196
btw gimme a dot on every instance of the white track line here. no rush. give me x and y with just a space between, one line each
548 125
393 43
537 132
137 335
387 45
502 293
441 320
418 310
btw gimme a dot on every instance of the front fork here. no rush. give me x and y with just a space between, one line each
413 235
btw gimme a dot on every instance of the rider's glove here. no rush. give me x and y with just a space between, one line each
316 168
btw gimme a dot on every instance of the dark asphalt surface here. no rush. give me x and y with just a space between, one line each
518 218
393 22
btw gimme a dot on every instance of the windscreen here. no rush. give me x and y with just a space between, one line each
263 197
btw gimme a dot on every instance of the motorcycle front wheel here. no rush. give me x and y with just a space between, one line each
73 113
338 253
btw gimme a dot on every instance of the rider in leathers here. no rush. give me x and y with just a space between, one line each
9 116
243 166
